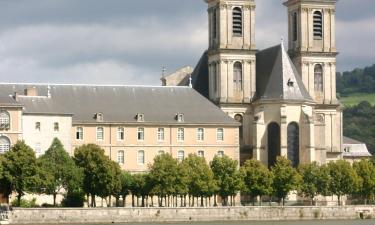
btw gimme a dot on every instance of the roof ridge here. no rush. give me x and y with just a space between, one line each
92 85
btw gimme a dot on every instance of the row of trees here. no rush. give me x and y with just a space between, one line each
192 182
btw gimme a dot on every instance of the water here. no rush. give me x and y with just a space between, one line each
315 222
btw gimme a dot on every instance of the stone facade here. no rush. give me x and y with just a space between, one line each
162 215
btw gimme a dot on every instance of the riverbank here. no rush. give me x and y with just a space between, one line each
127 215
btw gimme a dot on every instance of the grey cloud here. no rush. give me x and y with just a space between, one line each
121 41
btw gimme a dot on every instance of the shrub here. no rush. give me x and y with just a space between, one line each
73 199
25 203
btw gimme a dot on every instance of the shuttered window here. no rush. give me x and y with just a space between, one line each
318 25
237 21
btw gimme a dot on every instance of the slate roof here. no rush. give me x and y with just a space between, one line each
356 148
277 77
274 71
120 103
6 100
351 141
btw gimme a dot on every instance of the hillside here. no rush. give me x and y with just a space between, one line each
357 92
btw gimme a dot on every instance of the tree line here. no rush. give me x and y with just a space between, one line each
192 182
356 81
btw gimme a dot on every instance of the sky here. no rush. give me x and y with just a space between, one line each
128 42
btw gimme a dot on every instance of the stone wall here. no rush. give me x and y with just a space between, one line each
117 215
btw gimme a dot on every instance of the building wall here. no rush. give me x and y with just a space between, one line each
151 146
43 138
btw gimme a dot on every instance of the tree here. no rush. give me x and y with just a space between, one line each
344 179
201 181
126 183
310 180
227 176
140 188
101 176
366 171
58 170
257 179
285 178
324 181
20 171
164 175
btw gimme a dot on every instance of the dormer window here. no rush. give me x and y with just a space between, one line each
140 117
180 118
99 117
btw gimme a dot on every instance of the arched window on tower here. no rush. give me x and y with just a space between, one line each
237 21
295 26
318 25
318 78
237 76
293 143
274 144
214 24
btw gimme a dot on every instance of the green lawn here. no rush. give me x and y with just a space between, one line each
354 99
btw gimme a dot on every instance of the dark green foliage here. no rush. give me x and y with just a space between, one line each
285 178
344 180
20 171
101 176
58 171
257 179
359 123
227 176
356 81
201 182
73 199
366 171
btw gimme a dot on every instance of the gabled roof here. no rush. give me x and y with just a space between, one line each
120 104
278 78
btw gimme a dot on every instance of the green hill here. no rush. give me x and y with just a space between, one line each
356 98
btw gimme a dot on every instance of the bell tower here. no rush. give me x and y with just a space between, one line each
312 46
231 53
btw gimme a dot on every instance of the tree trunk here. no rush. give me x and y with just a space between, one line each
215 203
339 200
234 200
133 203
192 201
19 199
54 199
260 200
124 201
283 201
202 201
209 201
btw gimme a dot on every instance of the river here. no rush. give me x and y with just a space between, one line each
315 222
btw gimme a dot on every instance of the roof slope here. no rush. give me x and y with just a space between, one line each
121 103
278 78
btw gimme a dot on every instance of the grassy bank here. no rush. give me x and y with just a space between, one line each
355 99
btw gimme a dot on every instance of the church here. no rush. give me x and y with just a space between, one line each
283 97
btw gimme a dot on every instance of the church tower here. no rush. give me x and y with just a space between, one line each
312 47
231 60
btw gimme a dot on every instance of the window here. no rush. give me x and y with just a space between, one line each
56 127
4 120
141 157
160 134
99 117
140 117
293 143
239 118
220 134
161 152
318 25
121 157
141 133
237 76
181 134
201 153
220 153
237 21
200 134
4 144
100 134
318 78
180 117
120 134
38 149
181 155
37 126
79 133
295 26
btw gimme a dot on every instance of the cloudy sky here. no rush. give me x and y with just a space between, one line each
128 42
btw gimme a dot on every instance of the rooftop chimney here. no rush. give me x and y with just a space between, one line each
31 92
